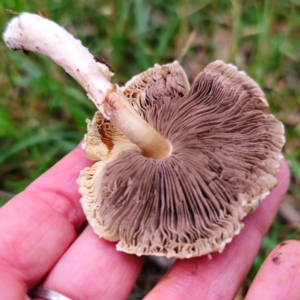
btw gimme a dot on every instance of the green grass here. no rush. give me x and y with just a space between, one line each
43 111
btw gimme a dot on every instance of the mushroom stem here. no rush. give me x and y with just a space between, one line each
36 34
125 118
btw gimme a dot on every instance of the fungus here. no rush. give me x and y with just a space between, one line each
177 168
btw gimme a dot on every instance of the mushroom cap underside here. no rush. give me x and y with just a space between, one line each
225 153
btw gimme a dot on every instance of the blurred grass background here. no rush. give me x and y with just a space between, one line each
43 110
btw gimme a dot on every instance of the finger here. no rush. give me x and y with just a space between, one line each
221 276
10 288
39 224
93 269
279 276
58 186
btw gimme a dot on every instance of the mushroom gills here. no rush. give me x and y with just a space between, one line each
225 153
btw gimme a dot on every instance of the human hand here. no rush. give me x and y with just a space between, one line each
38 241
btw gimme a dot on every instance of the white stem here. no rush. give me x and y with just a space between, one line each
36 34
122 115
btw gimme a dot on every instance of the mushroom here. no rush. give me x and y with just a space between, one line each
177 168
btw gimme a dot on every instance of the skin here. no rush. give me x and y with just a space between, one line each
39 242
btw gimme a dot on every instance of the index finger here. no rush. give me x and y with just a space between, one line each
39 224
